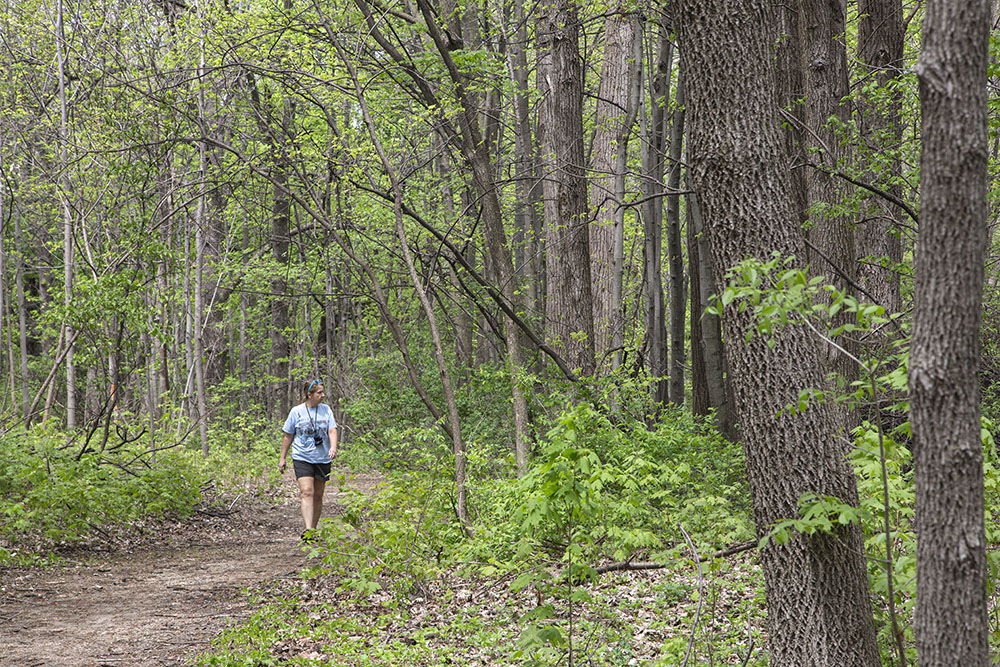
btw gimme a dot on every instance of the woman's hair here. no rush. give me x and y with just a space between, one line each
309 386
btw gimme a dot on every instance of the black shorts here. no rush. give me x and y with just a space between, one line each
320 471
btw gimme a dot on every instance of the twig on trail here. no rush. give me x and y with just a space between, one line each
218 512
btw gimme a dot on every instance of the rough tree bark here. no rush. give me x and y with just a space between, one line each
569 299
951 612
819 614
823 54
880 48
615 115
715 394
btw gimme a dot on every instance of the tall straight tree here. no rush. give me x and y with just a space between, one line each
67 210
675 253
819 614
569 300
200 223
823 63
951 612
880 48
616 111
528 233
653 161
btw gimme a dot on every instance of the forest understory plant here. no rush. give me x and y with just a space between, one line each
54 496
597 493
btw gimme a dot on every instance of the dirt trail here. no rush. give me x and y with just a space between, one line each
157 606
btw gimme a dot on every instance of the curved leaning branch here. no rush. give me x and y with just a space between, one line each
486 284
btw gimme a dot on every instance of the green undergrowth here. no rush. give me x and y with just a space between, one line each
397 580
57 492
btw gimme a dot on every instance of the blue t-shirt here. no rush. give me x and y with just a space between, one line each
305 424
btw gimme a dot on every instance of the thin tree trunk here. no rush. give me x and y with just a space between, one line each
186 339
280 217
496 240
199 249
621 167
950 620
64 194
788 50
527 239
22 316
458 444
701 403
464 346
822 27
6 351
654 161
717 386
675 252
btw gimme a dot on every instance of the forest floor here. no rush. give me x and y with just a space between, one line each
163 593
157 596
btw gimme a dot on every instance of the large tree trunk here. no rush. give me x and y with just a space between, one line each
951 612
569 300
880 48
819 614
615 115
822 25
716 392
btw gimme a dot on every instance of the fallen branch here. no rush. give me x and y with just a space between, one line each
627 565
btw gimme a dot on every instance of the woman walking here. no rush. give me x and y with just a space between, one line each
311 432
